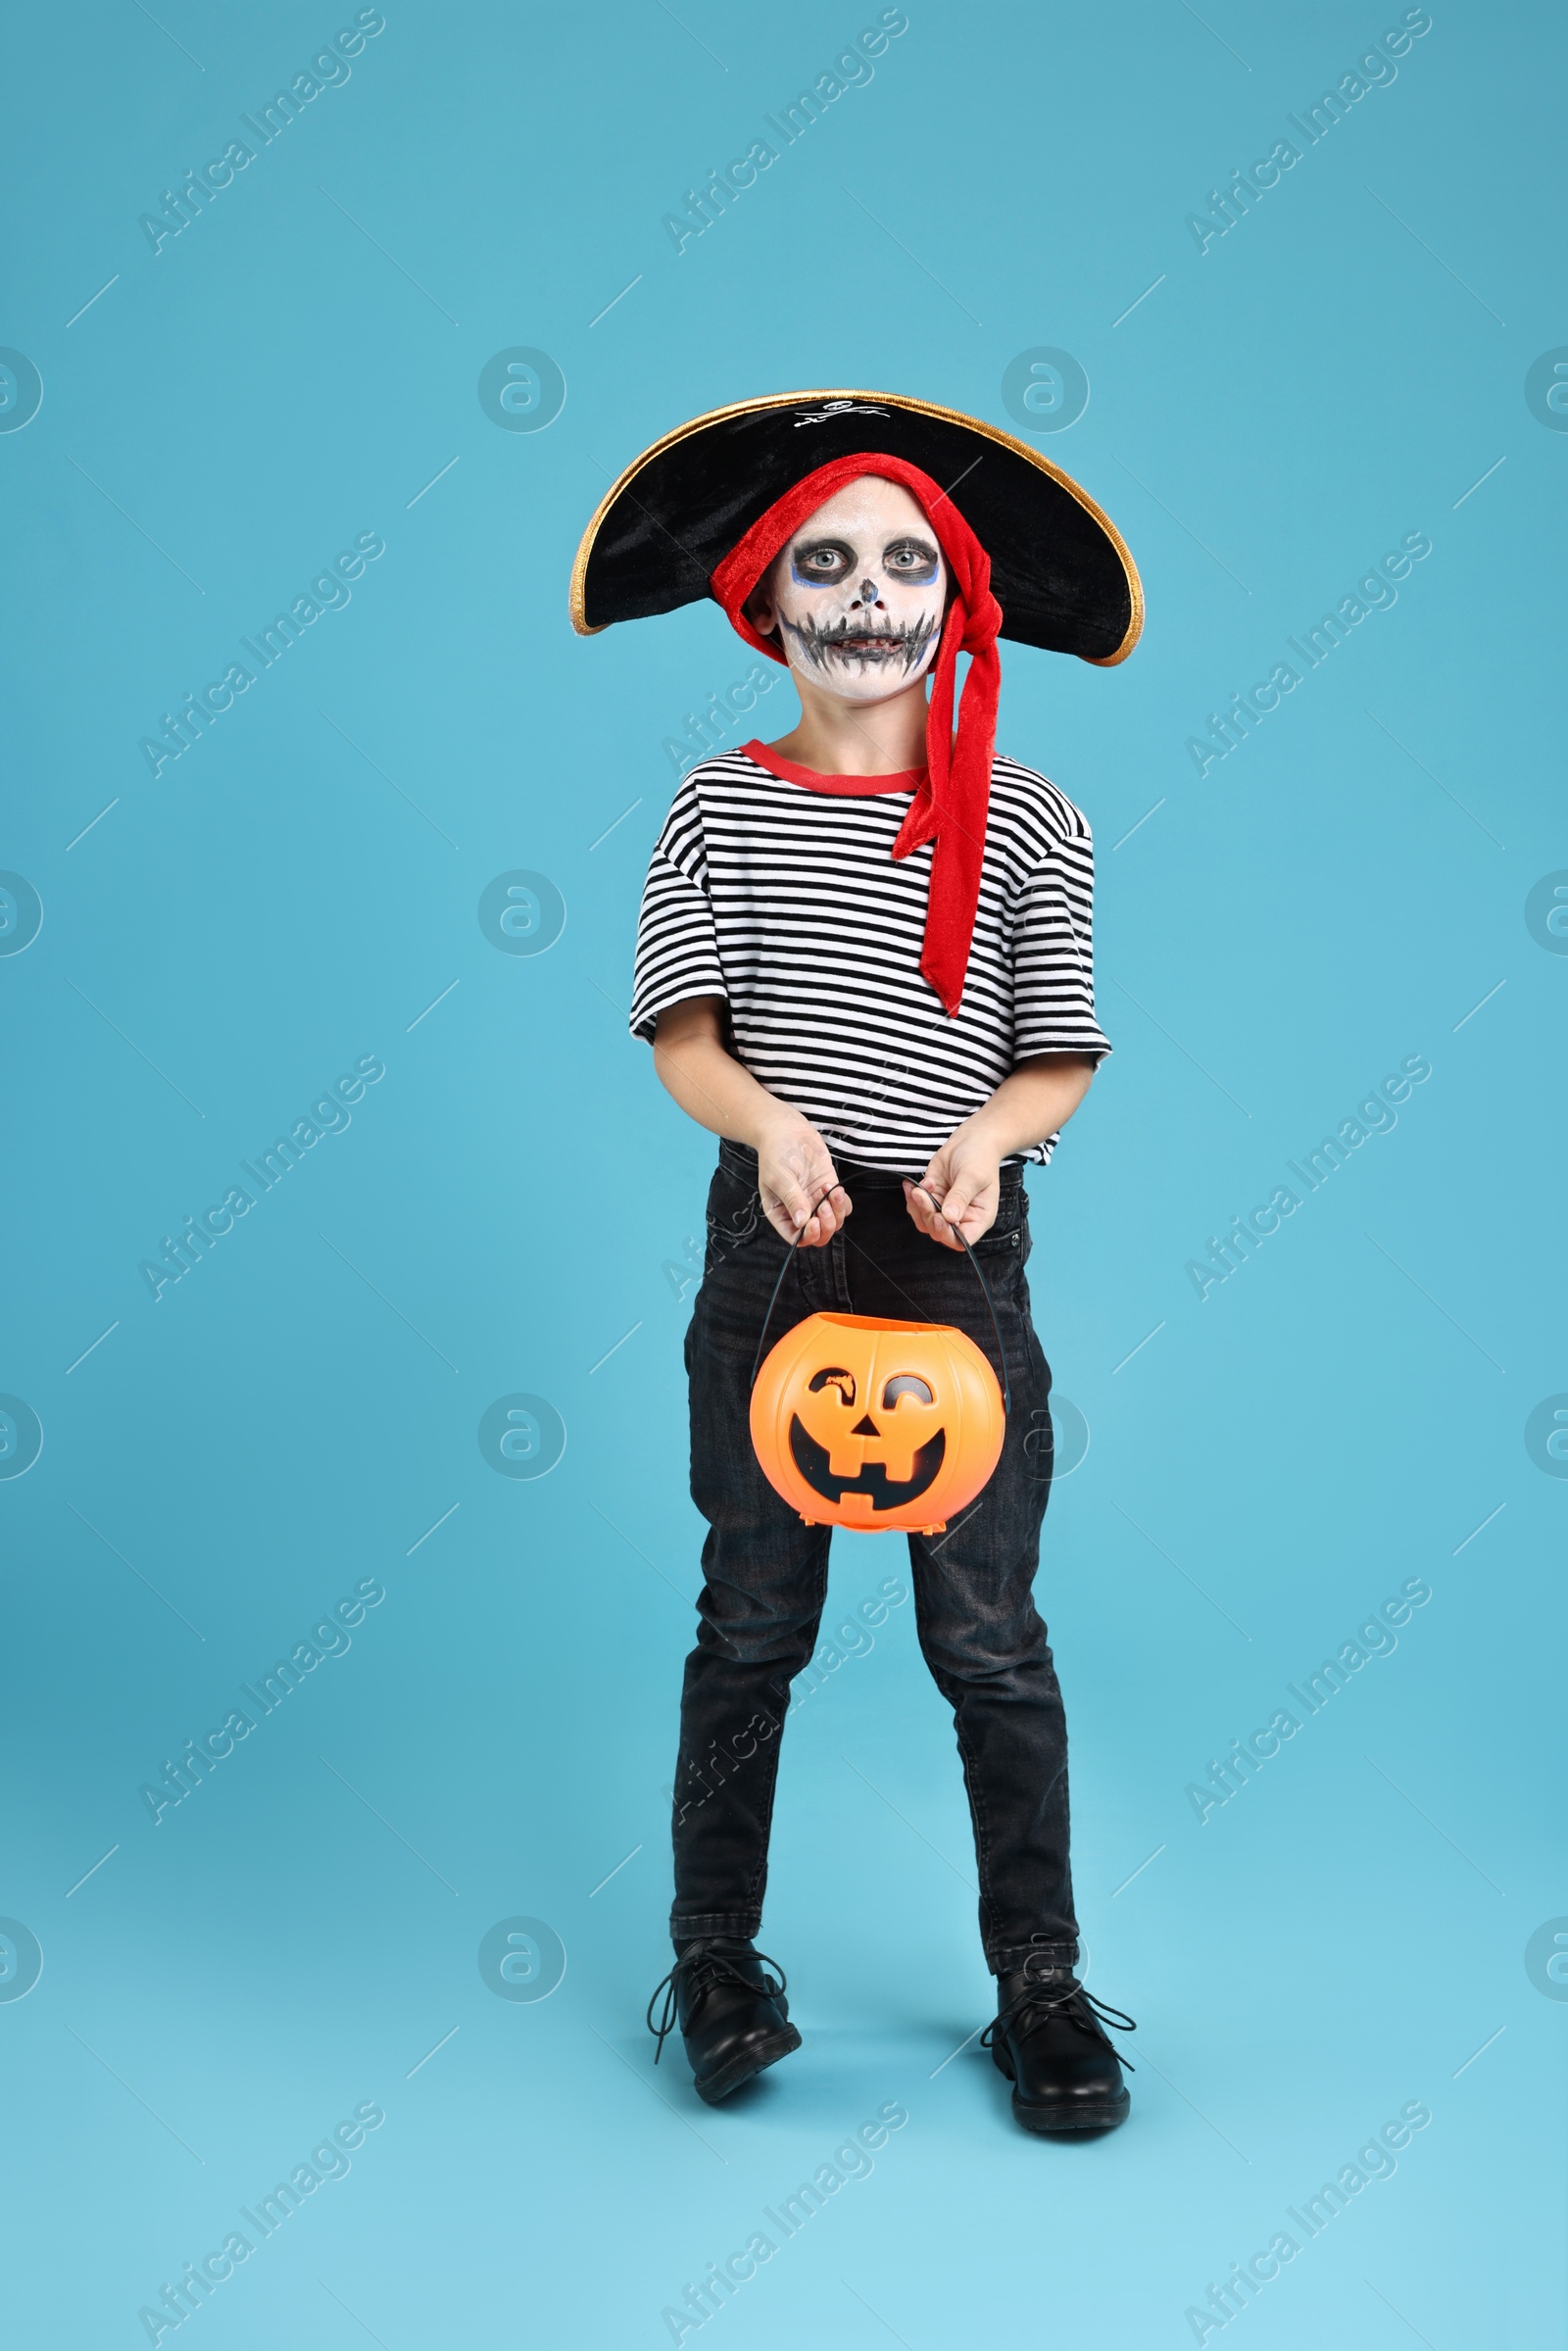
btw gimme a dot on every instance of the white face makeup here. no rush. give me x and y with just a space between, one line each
857 595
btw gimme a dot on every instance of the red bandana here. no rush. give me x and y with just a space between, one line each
949 808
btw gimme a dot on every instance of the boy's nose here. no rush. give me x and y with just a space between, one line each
869 593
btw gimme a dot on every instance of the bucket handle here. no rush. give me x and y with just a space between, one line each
985 1291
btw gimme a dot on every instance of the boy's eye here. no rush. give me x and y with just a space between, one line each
827 560
911 559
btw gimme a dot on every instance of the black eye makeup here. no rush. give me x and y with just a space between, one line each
822 563
911 559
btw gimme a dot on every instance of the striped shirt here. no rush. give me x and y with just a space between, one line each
785 900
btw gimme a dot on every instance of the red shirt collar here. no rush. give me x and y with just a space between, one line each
908 779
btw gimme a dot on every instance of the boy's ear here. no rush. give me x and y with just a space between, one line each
760 610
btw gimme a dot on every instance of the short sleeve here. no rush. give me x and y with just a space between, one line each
677 946
1054 964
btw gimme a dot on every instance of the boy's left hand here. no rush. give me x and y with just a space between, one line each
962 1187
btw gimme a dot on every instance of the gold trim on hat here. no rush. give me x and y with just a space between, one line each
922 408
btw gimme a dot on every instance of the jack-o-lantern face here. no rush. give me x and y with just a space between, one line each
871 1424
902 1446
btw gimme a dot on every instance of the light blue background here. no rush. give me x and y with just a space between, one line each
1276 1461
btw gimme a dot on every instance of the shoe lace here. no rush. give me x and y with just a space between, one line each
706 1965
1073 2003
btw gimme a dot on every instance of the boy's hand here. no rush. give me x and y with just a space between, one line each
960 1187
794 1170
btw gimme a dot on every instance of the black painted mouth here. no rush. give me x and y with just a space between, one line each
847 641
815 1463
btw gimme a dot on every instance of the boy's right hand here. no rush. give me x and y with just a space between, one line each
793 1171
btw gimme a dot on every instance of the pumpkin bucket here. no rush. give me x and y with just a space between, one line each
875 1425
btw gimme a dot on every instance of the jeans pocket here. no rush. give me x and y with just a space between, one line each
1007 1240
734 1216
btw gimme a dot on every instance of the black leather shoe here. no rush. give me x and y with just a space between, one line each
732 2013
1049 2041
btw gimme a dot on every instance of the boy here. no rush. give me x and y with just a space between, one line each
863 962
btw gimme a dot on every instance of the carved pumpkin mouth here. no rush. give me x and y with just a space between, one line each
815 1463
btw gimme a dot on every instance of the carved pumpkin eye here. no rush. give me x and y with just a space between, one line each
842 1381
906 1384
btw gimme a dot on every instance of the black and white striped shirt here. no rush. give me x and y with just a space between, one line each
785 900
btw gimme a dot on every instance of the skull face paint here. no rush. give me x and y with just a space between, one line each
857 596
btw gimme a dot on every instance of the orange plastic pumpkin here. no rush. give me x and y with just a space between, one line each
874 1424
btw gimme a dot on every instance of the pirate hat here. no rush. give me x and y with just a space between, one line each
1060 568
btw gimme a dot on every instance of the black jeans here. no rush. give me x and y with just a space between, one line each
767 1570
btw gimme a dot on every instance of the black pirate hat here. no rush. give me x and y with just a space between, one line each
1058 565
